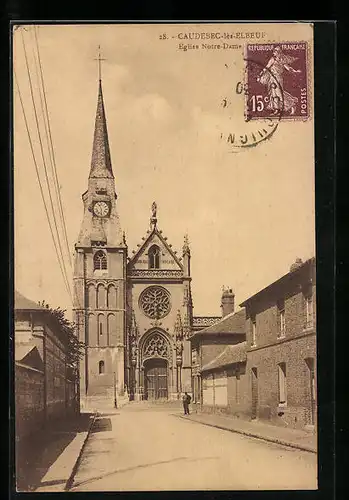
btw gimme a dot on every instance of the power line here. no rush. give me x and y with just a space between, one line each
44 163
51 149
41 188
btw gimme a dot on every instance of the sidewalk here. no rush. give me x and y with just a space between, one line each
293 438
45 461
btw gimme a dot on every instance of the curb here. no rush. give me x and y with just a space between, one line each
257 436
70 481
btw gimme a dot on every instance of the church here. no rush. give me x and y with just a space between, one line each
134 313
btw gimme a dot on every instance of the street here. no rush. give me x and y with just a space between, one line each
141 448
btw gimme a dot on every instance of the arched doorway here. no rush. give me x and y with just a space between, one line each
156 378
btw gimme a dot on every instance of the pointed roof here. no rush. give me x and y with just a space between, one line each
29 355
178 328
101 161
150 235
186 248
133 326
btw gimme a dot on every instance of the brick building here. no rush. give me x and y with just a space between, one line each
210 348
261 361
281 349
45 386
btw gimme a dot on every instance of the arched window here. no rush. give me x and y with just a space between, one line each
99 260
111 329
154 257
91 338
101 296
91 296
101 367
111 297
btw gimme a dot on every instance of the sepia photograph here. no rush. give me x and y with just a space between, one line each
164 257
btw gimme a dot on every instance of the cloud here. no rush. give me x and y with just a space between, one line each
151 108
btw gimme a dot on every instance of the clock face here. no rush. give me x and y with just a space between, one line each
101 208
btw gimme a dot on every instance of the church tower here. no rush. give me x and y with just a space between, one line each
100 276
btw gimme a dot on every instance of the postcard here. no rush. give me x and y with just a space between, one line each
165 283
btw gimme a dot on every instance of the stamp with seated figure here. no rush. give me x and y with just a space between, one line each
277 81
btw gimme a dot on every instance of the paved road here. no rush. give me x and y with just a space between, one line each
157 450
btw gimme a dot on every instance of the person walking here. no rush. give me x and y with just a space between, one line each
186 401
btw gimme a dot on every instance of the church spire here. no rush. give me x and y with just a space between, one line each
101 162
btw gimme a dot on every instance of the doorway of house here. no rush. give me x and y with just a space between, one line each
254 376
155 371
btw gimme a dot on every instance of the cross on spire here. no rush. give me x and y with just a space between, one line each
99 59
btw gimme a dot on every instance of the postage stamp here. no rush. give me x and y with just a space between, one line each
277 81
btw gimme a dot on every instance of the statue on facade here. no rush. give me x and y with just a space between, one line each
133 349
179 348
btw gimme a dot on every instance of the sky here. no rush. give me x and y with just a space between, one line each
248 214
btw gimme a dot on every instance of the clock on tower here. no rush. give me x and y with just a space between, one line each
101 209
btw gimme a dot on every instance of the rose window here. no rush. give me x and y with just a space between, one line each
155 302
156 346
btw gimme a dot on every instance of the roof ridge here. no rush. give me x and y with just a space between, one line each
229 347
22 302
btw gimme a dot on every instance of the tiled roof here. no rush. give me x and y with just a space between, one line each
279 281
22 303
231 354
21 351
232 323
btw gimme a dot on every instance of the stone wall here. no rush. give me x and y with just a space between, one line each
29 400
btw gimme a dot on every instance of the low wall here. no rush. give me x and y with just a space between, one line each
29 398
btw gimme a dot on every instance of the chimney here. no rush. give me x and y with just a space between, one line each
298 263
228 302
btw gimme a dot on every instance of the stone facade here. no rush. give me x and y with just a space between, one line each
159 307
45 387
29 400
134 314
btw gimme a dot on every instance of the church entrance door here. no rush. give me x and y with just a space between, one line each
155 379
